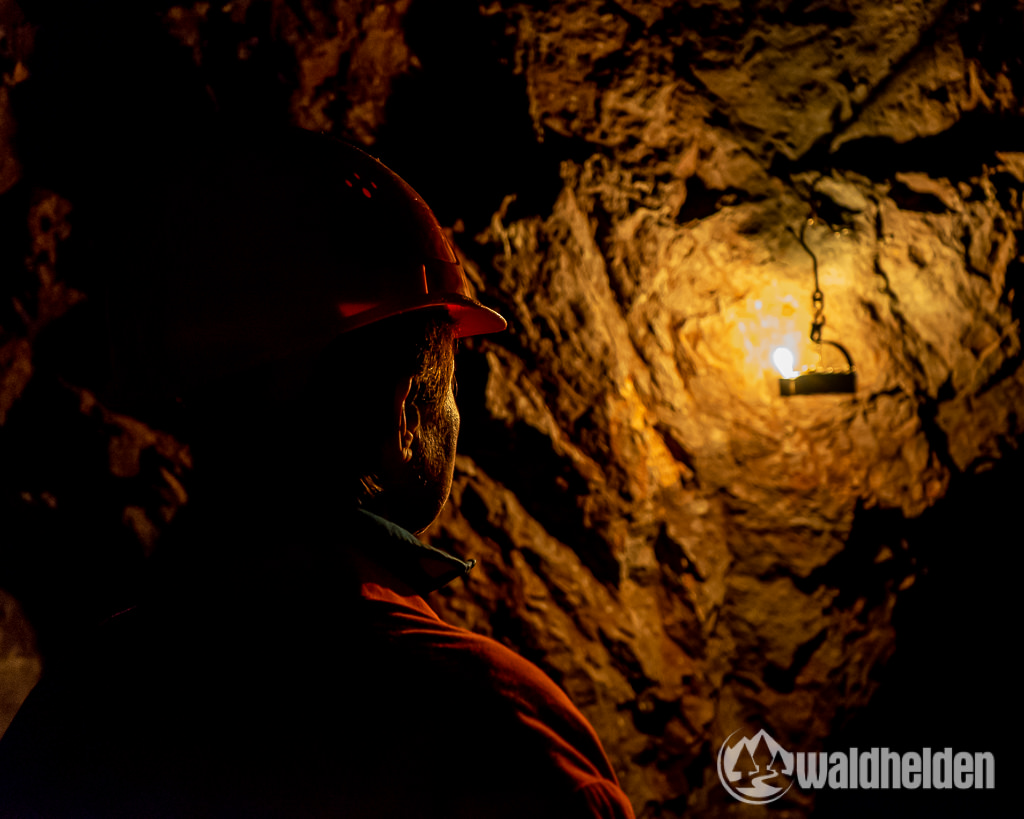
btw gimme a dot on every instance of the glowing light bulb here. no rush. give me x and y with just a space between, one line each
782 358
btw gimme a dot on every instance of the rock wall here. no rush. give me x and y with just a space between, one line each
684 550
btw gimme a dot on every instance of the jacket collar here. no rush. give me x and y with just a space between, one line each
423 568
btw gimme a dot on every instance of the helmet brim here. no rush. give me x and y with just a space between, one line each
470 316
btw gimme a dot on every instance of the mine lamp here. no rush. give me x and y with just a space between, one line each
818 379
813 380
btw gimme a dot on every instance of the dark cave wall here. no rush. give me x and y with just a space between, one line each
686 552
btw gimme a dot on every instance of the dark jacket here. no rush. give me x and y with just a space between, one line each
324 687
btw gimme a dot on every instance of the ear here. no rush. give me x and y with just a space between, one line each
406 419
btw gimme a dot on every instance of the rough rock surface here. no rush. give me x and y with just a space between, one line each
685 551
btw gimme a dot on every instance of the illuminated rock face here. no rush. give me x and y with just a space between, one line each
685 551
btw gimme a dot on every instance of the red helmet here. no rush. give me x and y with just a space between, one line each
272 247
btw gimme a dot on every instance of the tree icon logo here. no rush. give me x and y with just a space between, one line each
756 770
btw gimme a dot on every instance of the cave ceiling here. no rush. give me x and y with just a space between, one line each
644 189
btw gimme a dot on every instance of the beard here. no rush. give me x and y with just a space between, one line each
414 494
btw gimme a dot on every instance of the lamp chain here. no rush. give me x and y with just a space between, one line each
817 297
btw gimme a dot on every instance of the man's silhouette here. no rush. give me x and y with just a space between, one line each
295 314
